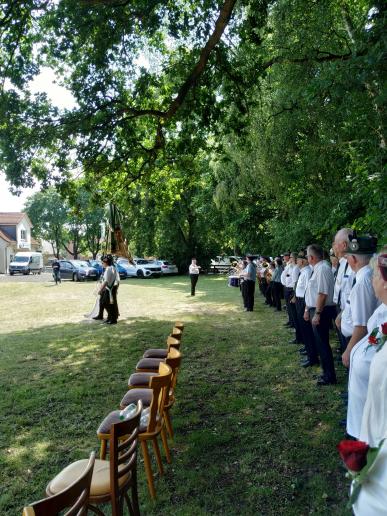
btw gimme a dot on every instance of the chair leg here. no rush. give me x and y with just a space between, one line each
129 505
165 444
148 469
168 424
158 455
102 453
135 504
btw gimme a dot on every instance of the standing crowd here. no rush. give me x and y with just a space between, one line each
343 294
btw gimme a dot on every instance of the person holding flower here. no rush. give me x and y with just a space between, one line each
367 458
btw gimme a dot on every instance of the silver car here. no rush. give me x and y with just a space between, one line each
167 267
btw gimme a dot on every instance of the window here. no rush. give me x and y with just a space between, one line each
23 234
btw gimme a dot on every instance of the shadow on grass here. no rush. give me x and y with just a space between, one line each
253 435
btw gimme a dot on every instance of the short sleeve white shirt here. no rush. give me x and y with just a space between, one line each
295 275
286 276
361 302
320 282
303 281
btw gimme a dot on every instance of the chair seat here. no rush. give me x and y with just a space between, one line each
140 379
100 482
155 353
132 396
149 364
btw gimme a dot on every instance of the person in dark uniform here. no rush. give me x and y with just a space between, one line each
250 276
56 271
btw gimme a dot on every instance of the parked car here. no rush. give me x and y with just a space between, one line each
97 266
26 262
122 270
142 268
77 270
167 267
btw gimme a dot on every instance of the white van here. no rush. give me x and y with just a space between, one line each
26 262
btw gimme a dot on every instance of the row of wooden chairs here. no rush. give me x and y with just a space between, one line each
153 384
85 484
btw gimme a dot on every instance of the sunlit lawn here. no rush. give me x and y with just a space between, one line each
253 433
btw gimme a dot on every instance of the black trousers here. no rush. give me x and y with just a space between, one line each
194 280
288 294
104 304
277 294
243 292
306 331
249 294
296 322
321 338
269 294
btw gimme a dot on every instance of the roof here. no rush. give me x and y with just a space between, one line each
5 237
12 218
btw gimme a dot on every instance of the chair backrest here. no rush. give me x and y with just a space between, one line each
173 360
160 386
75 497
179 325
173 342
176 333
123 456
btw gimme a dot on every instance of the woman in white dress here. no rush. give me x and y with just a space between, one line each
372 500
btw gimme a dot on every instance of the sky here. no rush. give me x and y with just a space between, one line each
60 97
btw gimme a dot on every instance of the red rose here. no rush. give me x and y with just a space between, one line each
372 339
354 454
384 328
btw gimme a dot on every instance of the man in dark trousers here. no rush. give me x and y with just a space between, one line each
194 271
56 271
250 276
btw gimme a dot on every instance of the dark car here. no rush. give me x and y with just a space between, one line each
97 266
77 270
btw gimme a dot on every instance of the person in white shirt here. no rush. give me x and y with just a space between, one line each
361 302
194 270
286 280
307 336
372 500
343 279
108 291
319 309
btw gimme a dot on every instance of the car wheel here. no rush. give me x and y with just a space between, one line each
75 278
140 274
11 273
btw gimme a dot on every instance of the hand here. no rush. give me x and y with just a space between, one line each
293 300
338 322
345 357
306 315
316 319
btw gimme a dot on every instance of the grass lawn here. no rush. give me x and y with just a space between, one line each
254 435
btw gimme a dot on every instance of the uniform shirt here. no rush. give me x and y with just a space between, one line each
342 284
303 281
286 276
295 275
361 302
277 274
193 269
251 272
321 282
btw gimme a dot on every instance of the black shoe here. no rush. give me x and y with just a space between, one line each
321 382
303 352
307 363
98 318
111 322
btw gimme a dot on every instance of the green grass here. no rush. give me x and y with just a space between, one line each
253 433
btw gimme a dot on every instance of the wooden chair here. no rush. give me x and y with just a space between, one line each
158 392
162 352
112 479
74 498
179 324
176 333
141 381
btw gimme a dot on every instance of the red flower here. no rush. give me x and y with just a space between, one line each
354 454
384 328
372 339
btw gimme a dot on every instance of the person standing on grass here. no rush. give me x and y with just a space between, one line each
56 271
250 275
108 291
194 270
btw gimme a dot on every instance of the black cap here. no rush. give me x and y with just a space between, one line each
287 253
364 244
